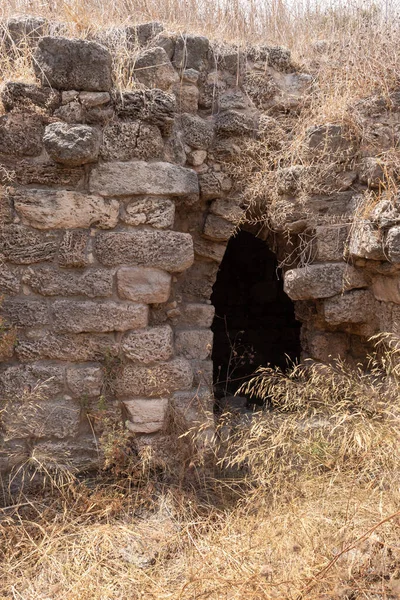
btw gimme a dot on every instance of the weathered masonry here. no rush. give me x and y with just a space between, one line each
116 211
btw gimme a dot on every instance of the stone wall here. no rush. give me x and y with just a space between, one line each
116 210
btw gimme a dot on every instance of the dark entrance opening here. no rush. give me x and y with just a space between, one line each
254 322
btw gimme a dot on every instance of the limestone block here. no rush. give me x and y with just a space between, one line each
145 415
58 418
371 172
213 185
72 64
392 244
229 209
136 178
191 52
233 122
21 134
73 249
153 106
24 96
326 346
156 212
194 343
386 289
156 381
322 281
71 145
46 172
85 380
34 381
153 69
196 314
49 281
94 99
209 249
80 316
329 141
168 250
9 281
149 345
330 242
56 209
25 312
21 246
187 97
140 284
366 241
197 132
80 347
356 306
218 229
125 140
78 455
195 405
203 373
196 284
24 31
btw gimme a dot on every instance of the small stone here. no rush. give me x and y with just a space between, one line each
72 64
79 316
159 380
356 306
322 281
229 209
143 33
153 106
191 52
366 241
140 284
124 141
73 249
233 122
195 406
145 415
371 172
168 250
187 97
197 132
149 345
156 212
138 178
60 209
392 244
330 242
92 99
197 157
218 229
72 113
153 69
69 96
49 281
234 100
194 343
211 186
71 145
85 381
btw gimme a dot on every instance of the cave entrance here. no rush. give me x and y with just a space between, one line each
254 323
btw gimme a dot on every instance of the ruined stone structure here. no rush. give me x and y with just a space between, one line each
116 211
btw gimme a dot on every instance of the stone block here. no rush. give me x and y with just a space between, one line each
191 52
197 157
196 284
371 172
196 314
233 122
125 140
218 229
25 312
22 31
330 242
58 418
71 145
211 186
141 284
156 381
386 213
46 172
329 142
94 99
21 246
71 112
156 212
325 346
386 289
21 134
209 249
392 244
72 64
60 209
149 345
49 281
197 132
356 306
322 281
194 343
228 209
145 415
9 281
195 406
80 347
78 455
26 96
202 373
153 106
80 316
168 250
366 241
85 381
73 249
31 382
187 97
142 34
137 178
153 69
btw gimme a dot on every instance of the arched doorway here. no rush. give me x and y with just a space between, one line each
254 322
